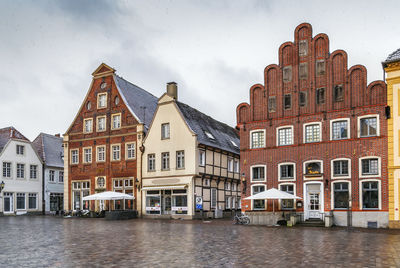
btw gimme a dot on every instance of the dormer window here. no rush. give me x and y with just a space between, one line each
234 144
209 135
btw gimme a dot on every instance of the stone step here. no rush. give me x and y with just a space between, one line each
312 223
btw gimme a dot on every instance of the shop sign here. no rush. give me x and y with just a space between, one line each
153 208
178 209
199 202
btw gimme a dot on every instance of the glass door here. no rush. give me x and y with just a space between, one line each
8 202
313 205
166 208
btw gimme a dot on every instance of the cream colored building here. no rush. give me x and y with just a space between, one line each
190 163
392 69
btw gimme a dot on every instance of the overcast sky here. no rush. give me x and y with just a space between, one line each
215 50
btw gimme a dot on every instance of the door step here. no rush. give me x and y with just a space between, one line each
312 223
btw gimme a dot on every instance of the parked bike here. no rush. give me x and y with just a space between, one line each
241 219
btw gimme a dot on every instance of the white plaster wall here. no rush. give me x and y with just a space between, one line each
361 219
52 187
25 185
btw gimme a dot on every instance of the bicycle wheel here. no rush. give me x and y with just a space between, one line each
245 221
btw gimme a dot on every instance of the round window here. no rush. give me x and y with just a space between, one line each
103 85
88 105
101 182
116 100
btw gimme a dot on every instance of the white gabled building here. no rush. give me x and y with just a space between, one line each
50 149
21 173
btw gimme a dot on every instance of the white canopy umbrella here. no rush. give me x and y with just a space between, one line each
272 194
109 195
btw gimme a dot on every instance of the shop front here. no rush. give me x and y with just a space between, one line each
166 200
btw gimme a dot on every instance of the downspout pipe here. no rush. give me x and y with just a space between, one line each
43 190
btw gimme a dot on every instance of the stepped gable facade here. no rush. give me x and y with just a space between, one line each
312 126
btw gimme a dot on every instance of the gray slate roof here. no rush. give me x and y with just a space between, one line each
199 123
8 133
136 99
50 149
395 56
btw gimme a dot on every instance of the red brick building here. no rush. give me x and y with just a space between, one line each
101 145
315 128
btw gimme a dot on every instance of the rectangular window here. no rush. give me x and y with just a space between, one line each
87 155
370 195
51 175
87 125
227 186
165 131
20 171
20 149
341 195
340 130
370 166
130 151
101 153
101 123
116 152
320 66
61 176
6 169
202 158
32 201
272 104
230 165
303 98
180 159
33 172
287 101
303 70
312 133
213 197
228 200
165 161
287 172
151 162
303 48
368 127
116 121
74 157
320 95
236 166
20 200
285 136
313 168
287 74
257 139
338 93
258 174
102 100
287 203
341 168
258 204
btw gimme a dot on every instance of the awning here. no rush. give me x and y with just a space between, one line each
272 194
108 196
164 187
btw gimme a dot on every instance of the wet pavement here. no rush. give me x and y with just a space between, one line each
57 242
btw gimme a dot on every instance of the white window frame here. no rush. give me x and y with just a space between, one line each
97 153
202 163
52 171
165 127
236 166
310 161
18 151
294 193
177 159
77 157
84 125
36 203
97 123
11 171
333 194
265 173
359 125
60 175
360 175
126 150
252 202
379 194
148 161
16 201
105 182
305 134
341 177
230 164
251 138
277 135
279 171
212 199
112 152
16 171
331 128
162 161
112 121
84 155
36 172
98 100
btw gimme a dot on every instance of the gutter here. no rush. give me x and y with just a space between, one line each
43 191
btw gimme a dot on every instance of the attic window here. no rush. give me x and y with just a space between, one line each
234 143
209 135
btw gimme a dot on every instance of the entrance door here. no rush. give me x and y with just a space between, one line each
314 202
8 202
166 207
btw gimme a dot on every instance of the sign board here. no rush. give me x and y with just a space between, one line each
199 202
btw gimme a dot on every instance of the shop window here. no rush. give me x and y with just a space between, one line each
370 195
287 203
20 200
32 201
320 95
341 195
272 104
258 204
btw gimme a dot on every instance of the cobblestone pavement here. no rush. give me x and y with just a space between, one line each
57 242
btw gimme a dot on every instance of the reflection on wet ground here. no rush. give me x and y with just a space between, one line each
57 242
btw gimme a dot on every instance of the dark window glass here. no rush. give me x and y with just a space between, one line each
258 173
341 195
369 166
370 194
313 168
272 104
341 168
287 203
303 99
338 93
287 171
320 95
288 101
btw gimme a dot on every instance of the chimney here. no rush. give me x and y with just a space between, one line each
57 135
172 90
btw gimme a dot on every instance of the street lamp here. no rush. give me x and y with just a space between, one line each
2 186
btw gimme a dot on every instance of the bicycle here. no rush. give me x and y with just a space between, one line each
242 219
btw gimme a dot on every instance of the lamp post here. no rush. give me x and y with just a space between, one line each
2 186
